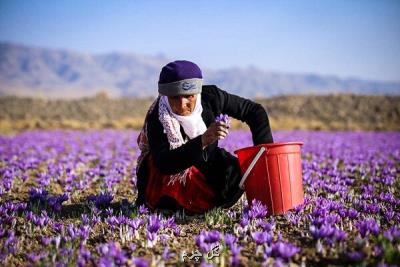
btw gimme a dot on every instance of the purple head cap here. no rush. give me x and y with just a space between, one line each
180 77
179 70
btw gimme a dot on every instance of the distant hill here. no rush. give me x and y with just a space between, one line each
50 73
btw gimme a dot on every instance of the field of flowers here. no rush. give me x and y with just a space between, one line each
66 200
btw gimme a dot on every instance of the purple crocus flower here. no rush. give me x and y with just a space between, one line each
261 238
212 236
7 184
167 254
389 214
257 210
143 210
283 250
177 230
46 240
37 196
322 232
367 226
122 219
66 252
355 256
164 238
3 233
151 236
85 219
244 221
235 258
111 252
370 208
352 213
393 233
319 211
340 235
102 200
206 264
266 226
135 223
132 247
106 262
206 239
154 223
41 220
169 223
58 227
387 197
377 251
332 219
279 263
112 221
109 212
141 262
10 244
34 257
95 219
84 256
223 118
229 240
72 232
55 202
43 179
84 232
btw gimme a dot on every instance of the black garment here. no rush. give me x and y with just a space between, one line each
221 168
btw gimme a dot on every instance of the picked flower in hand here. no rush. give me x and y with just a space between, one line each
223 118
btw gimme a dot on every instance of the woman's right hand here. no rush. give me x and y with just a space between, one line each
216 130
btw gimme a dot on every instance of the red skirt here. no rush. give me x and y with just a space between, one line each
195 195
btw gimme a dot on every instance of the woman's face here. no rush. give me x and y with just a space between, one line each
182 105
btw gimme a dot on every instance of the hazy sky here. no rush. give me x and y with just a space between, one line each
348 38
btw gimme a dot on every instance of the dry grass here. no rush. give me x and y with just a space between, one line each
8 127
334 112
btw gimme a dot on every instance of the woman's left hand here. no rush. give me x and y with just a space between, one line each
216 130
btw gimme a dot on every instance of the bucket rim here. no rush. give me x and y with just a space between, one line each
270 145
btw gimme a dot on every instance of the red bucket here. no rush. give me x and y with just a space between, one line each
272 174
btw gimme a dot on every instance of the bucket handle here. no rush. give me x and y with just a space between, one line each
251 166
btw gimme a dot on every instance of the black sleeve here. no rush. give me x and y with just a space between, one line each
171 161
247 111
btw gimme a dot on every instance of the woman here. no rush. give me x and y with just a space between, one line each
181 165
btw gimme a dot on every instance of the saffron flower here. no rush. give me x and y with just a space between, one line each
234 260
143 210
367 226
261 238
282 250
141 262
257 210
355 256
111 254
102 200
154 223
229 240
393 233
206 239
223 118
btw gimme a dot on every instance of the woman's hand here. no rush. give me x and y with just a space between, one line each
217 130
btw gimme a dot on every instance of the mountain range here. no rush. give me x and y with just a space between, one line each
57 73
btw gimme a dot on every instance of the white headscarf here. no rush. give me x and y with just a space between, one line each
193 124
